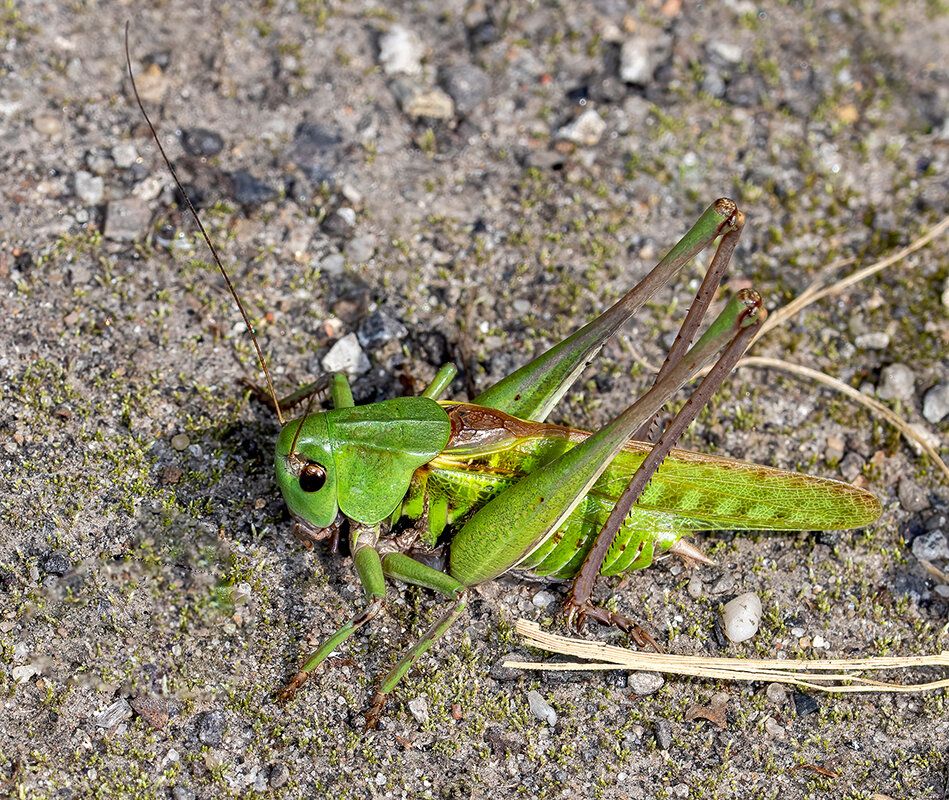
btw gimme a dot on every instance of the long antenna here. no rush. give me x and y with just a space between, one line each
204 233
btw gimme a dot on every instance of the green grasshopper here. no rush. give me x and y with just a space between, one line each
489 487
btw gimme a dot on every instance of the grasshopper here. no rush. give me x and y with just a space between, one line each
486 487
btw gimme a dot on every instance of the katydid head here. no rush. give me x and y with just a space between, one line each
306 470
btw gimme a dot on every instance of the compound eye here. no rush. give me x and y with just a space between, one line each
312 478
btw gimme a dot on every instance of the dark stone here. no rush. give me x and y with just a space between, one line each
434 347
483 34
313 146
804 704
201 142
279 775
211 726
55 563
250 191
378 328
662 730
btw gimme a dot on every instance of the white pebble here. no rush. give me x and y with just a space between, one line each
540 708
542 599
418 708
742 616
346 356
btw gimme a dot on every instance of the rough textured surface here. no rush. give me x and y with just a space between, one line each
152 596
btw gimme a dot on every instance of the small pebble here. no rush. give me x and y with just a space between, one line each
90 189
401 51
741 617
725 54
151 709
774 729
211 727
340 222
416 101
360 249
926 434
48 124
695 586
931 546
542 599
723 585
587 129
877 340
776 693
24 672
250 191
540 708
118 712
851 466
468 86
378 328
418 708
912 496
936 402
333 264
644 683
346 356
180 441
201 142
834 451
126 220
55 563
124 155
279 775
635 65
897 382
804 704
662 730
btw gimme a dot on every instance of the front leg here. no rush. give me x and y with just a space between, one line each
369 568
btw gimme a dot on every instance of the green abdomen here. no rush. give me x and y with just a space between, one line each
489 451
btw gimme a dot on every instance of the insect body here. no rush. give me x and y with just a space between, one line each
491 487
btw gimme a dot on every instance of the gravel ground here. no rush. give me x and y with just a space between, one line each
449 182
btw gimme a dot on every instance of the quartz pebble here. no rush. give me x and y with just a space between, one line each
586 129
401 51
936 402
635 63
418 708
742 616
346 356
897 382
540 708
643 683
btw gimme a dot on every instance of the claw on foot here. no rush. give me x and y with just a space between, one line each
581 612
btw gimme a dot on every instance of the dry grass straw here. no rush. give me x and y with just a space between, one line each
826 675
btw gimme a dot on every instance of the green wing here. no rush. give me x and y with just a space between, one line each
690 491
376 449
